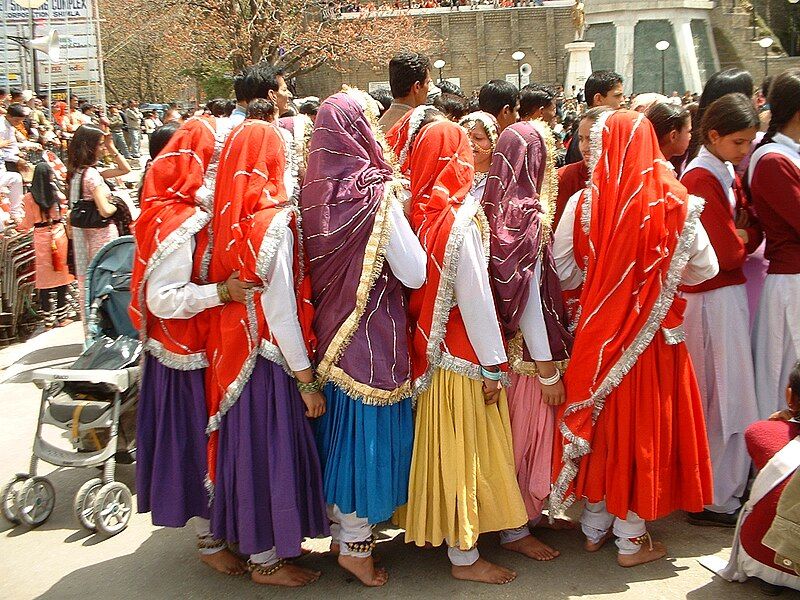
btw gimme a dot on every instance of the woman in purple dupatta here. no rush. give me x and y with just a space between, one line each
362 252
519 202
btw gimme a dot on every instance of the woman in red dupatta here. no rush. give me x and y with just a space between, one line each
264 473
462 480
632 438
170 304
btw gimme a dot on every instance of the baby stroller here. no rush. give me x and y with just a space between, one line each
93 400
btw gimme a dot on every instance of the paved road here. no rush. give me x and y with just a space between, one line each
59 560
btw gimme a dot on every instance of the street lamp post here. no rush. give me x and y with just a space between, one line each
795 33
753 23
439 64
765 43
662 47
518 56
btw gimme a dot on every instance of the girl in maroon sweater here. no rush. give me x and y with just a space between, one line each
717 315
774 176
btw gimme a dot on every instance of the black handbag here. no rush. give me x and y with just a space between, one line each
84 213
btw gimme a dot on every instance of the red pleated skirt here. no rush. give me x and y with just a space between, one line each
650 450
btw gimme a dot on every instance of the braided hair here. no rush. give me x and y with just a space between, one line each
784 102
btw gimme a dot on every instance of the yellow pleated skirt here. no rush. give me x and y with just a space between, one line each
463 479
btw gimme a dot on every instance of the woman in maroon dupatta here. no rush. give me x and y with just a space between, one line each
362 252
519 202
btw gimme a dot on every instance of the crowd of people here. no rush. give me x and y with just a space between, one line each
460 314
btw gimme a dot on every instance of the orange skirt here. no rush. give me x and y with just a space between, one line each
650 450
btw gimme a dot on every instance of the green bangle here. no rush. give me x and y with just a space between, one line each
493 375
311 387
223 292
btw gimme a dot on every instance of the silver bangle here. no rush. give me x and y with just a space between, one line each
554 379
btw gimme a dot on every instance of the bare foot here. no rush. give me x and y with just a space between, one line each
532 548
557 524
288 575
645 554
364 569
595 546
225 562
483 571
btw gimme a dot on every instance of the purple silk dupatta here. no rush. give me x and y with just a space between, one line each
519 202
360 318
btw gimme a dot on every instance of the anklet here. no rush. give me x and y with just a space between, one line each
265 570
367 545
209 543
640 540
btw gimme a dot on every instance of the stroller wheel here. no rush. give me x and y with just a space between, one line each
35 501
112 508
8 503
84 503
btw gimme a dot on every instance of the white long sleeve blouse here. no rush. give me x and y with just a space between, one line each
404 253
474 298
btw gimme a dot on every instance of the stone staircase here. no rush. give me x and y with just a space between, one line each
736 45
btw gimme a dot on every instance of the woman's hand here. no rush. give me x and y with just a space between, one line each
108 142
315 404
491 388
552 395
237 288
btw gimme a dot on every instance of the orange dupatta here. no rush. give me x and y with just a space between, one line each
251 216
172 213
633 234
441 210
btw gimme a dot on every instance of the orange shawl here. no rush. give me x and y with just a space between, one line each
172 213
441 210
633 234
251 217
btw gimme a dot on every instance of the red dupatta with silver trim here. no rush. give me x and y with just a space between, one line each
441 211
173 212
251 217
633 235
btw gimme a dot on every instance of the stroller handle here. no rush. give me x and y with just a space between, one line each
121 379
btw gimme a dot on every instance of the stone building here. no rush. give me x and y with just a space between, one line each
625 41
476 46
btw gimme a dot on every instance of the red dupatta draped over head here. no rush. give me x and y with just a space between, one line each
441 210
172 213
519 202
252 215
633 234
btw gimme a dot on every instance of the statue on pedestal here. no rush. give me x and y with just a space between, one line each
579 20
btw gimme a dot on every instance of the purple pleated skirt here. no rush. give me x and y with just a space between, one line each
268 488
171 463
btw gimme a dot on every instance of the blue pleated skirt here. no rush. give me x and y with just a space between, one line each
365 453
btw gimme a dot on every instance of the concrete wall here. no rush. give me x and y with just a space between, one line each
476 47
632 35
